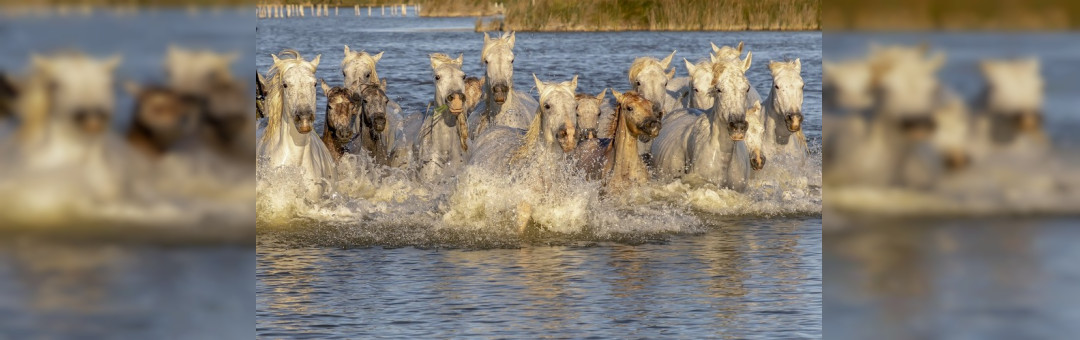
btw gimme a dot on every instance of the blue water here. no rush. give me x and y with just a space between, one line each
395 270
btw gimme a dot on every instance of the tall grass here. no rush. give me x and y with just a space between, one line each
667 15
951 15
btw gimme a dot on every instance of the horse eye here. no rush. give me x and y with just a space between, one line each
776 87
547 106
747 90
437 77
639 83
462 77
630 108
285 86
511 61
367 75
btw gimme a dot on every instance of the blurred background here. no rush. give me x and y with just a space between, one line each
126 177
950 164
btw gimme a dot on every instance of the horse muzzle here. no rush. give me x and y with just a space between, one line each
1028 121
956 160
586 134
917 128
794 122
379 123
305 122
456 102
737 129
92 121
757 160
566 139
500 92
649 130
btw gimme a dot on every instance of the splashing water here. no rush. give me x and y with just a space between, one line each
375 205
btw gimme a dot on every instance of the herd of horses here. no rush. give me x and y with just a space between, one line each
711 125
891 122
187 141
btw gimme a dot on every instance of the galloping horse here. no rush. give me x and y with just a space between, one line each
502 105
709 145
287 139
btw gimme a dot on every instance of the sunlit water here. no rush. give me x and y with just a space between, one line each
985 277
666 259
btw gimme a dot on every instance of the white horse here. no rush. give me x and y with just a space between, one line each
502 105
845 102
896 146
709 145
64 146
442 141
288 139
1010 107
535 152
783 114
359 69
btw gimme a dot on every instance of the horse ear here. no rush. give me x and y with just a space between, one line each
689 66
511 39
132 88
260 83
671 74
325 88
798 65
383 83
275 58
460 59
315 62
573 84
539 84
746 62
600 96
39 62
739 48
434 62
712 58
377 56
937 61
230 57
667 61
112 62
487 38
618 96
346 50
714 47
923 47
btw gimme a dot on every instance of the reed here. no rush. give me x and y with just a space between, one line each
951 15
662 15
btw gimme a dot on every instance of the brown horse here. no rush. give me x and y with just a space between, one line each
342 109
635 120
162 117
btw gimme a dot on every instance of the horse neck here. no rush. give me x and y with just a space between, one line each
773 129
716 122
624 149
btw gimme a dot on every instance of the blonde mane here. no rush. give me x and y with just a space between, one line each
640 64
500 41
532 135
443 58
274 94
364 57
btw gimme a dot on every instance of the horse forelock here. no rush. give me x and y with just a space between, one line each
641 64
360 57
